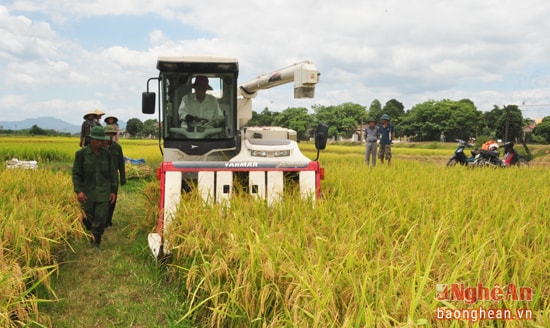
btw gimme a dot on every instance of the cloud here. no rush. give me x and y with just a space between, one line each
23 39
487 51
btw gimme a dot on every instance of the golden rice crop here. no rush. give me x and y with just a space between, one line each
38 215
371 252
41 149
137 171
146 149
58 153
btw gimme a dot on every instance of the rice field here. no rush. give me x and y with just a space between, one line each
38 220
61 149
371 253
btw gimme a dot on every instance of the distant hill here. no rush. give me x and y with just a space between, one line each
47 123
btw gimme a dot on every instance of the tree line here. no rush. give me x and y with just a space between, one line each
147 129
35 130
426 121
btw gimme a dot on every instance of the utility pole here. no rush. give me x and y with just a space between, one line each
507 123
362 133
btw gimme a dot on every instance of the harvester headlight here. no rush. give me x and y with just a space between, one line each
281 153
259 153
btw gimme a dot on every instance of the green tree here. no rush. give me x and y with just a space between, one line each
510 124
462 121
394 109
491 118
375 109
38 131
542 131
297 119
265 118
419 122
134 126
504 123
426 121
343 119
150 128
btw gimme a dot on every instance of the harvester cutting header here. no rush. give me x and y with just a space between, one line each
203 113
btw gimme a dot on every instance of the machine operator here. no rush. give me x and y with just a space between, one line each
200 107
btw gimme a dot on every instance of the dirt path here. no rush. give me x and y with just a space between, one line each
120 286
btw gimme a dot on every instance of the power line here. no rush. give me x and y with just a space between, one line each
536 105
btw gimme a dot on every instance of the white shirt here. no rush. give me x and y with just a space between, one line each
208 109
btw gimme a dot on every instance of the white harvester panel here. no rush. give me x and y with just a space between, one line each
172 196
215 186
275 185
224 185
206 183
256 184
307 184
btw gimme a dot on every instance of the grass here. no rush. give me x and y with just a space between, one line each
370 253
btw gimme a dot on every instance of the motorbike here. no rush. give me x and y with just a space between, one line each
491 157
488 158
459 157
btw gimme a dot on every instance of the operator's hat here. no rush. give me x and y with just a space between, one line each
371 120
202 81
109 129
98 133
385 117
98 112
89 113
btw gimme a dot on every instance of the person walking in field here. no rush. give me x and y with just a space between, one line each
95 183
90 120
118 161
113 121
98 114
387 134
371 136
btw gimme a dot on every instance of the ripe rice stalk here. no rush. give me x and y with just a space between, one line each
371 251
38 215
138 171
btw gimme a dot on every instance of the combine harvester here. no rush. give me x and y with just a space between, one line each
213 154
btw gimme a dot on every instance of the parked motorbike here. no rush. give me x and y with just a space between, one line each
491 157
488 158
459 157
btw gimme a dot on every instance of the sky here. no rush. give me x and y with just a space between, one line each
63 58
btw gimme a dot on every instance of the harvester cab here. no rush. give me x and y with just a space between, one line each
205 142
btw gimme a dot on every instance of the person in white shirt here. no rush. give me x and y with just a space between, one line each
200 106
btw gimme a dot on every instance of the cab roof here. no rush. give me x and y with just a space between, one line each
199 64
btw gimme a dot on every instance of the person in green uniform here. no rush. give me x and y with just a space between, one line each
95 182
118 160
